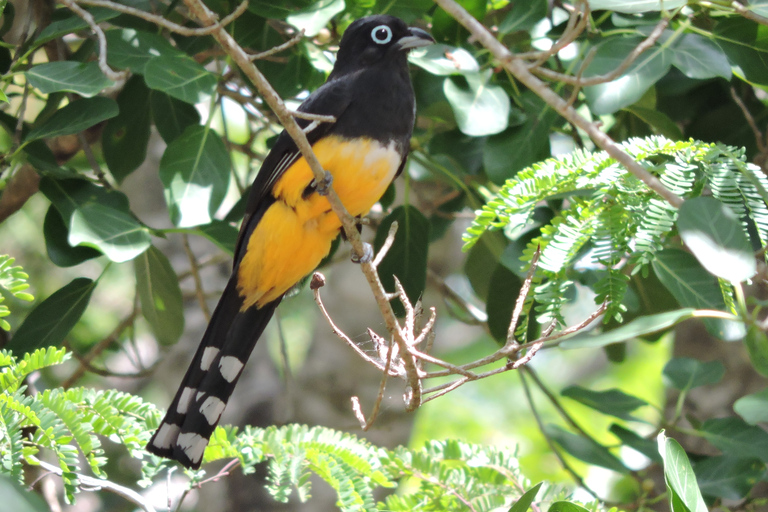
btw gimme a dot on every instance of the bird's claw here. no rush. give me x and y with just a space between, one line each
323 185
367 255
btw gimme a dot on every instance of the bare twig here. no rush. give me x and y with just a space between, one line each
519 69
279 48
89 483
521 297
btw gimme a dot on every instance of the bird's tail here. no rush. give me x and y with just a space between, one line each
195 411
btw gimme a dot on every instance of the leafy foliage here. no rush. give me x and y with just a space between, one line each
13 280
614 223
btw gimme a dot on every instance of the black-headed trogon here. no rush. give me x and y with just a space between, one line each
288 226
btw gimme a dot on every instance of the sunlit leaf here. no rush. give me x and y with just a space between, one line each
679 475
482 108
753 408
83 78
635 6
181 77
316 16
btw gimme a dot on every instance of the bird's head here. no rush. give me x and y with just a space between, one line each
373 39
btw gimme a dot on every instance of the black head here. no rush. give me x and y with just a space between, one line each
377 39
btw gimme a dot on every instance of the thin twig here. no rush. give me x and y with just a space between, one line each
115 76
279 48
522 296
96 484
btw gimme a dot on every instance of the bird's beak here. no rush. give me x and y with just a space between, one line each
416 39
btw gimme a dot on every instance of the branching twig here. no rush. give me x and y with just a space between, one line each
89 483
279 48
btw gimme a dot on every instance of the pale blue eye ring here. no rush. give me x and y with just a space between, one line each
381 34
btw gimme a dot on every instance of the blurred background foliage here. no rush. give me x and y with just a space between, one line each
121 198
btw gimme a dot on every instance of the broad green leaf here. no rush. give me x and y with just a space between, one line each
65 22
83 78
747 53
126 136
56 235
18 498
611 401
49 323
699 58
132 49
171 116
645 71
635 6
634 329
97 218
443 60
714 234
503 290
195 171
161 302
445 28
482 108
180 76
566 506
757 347
521 145
692 286
3 97
642 445
679 475
753 408
658 121
736 438
525 501
523 16
315 17
75 117
728 477
685 373
407 258
480 265
221 233
584 449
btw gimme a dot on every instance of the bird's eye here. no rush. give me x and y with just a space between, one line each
381 34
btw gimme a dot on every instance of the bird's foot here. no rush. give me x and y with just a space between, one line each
323 185
367 255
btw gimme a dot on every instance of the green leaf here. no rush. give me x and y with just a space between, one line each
612 402
133 49
83 78
56 235
161 302
658 121
480 265
736 438
679 475
635 6
180 76
171 116
503 290
125 137
651 66
49 323
524 16
481 109
638 327
692 286
714 234
758 7
75 117
525 501
753 408
19 499
728 477
195 171
757 348
584 449
443 60
71 22
222 234
566 506
685 373
699 58
642 445
315 17
747 53
520 146
97 218
407 258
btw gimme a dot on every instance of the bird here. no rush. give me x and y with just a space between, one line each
289 226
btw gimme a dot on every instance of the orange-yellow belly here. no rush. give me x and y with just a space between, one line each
295 234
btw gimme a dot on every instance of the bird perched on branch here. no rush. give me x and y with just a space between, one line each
289 224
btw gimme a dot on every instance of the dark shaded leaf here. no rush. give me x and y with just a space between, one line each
56 235
503 289
524 16
75 117
647 447
133 49
171 116
161 302
584 449
611 401
49 323
728 477
684 373
757 347
736 438
181 77
126 136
